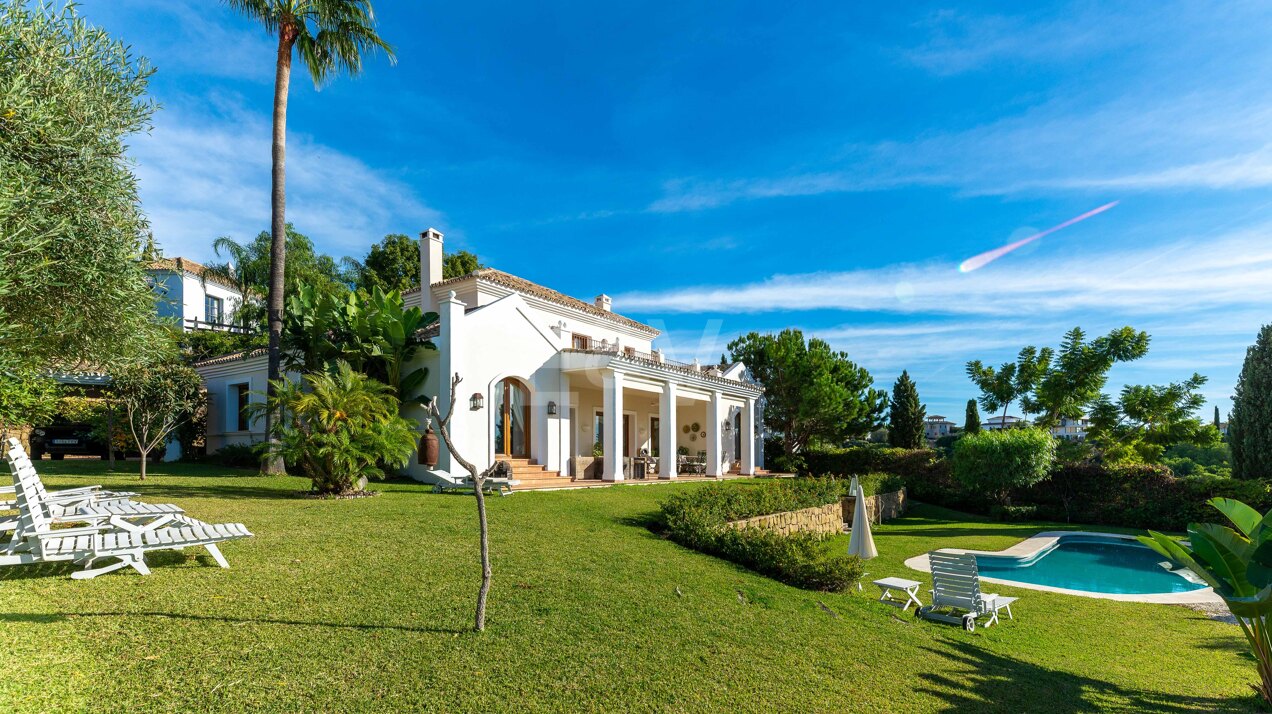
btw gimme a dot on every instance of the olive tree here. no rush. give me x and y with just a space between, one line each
72 289
157 398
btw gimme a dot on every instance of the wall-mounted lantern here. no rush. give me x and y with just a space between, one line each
552 409
475 402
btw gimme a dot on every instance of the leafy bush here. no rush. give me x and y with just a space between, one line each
996 462
698 520
239 456
1014 513
1135 496
797 559
925 474
339 428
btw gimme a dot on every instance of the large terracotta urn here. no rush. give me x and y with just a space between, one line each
428 448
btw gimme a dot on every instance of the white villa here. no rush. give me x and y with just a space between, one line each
198 301
547 382
936 426
1001 422
1071 429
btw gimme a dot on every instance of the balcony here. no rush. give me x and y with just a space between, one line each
194 324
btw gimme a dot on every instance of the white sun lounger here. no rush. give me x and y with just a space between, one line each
956 588
81 506
37 541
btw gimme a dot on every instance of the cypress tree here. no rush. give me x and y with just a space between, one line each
1250 424
972 424
1216 416
905 415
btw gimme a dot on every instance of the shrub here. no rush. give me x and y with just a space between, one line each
339 428
924 473
698 520
239 456
797 559
1014 513
996 462
1135 496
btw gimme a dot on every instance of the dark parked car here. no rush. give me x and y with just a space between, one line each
62 437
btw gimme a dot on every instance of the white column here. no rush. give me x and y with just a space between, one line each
667 434
715 424
747 438
612 392
450 343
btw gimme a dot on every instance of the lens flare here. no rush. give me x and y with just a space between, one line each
989 256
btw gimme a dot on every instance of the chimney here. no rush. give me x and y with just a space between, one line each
604 302
430 267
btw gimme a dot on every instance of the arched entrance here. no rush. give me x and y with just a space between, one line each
512 419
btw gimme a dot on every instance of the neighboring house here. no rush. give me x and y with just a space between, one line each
546 377
195 299
1071 429
936 426
997 422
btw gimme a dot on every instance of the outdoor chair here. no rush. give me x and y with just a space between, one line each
956 588
107 536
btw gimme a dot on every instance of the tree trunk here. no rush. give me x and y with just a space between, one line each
480 621
479 483
273 463
144 455
110 435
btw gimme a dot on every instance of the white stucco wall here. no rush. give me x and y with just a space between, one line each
219 379
193 293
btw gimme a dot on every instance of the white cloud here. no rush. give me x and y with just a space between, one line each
207 174
1191 274
958 42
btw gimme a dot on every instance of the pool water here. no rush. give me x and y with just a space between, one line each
1092 563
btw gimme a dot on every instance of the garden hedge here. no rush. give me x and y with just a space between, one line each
697 519
1138 496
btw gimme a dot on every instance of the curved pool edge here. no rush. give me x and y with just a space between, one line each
1034 544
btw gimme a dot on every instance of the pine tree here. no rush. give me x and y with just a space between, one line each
905 414
972 425
1250 424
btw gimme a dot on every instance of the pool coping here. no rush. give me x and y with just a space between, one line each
1035 543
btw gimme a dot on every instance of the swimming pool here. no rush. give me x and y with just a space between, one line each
1091 563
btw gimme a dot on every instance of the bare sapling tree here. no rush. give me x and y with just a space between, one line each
479 485
157 399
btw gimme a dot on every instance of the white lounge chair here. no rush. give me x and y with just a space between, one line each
82 504
37 541
956 587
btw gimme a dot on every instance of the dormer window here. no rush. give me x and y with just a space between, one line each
212 309
581 342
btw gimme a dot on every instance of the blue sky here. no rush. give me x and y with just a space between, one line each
726 167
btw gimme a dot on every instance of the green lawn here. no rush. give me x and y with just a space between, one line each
366 605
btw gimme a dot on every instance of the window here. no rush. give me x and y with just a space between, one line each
212 309
241 400
654 439
582 342
598 430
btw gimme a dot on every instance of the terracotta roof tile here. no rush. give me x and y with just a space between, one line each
233 356
521 285
189 266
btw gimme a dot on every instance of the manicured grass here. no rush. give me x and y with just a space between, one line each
366 605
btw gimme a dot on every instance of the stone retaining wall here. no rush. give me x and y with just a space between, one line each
880 507
819 519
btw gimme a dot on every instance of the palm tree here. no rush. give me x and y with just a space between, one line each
330 35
